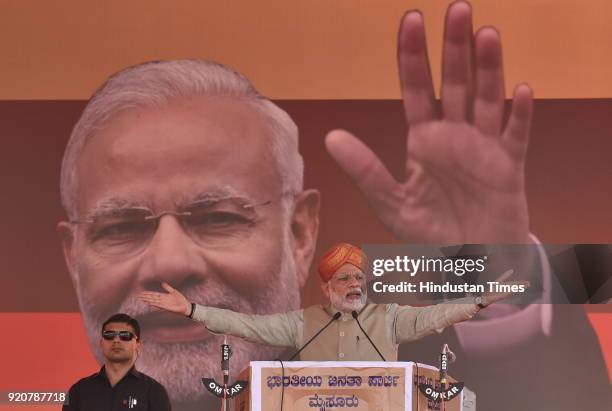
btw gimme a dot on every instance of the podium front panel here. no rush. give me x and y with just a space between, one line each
342 386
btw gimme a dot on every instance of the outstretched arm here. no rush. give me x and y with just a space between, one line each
413 323
279 330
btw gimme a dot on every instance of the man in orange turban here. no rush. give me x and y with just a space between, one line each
344 284
339 255
346 264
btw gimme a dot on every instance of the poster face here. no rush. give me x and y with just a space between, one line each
328 66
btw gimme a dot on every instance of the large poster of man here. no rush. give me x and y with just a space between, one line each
241 200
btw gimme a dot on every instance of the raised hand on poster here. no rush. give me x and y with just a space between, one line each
464 169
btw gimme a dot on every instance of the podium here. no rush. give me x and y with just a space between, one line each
346 385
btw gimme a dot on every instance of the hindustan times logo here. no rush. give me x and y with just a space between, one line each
456 265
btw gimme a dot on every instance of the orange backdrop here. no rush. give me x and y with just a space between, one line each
292 50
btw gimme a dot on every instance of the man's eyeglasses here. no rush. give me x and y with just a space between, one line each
123 335
128 231
359 277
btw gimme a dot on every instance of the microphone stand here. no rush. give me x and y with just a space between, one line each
225 391
446 357
354 314
334 318
226 353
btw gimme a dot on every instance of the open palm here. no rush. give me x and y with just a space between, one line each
464 174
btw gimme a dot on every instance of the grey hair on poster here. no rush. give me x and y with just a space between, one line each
157 83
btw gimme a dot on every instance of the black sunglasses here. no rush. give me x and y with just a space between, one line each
123 335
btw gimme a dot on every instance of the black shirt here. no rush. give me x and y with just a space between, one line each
135 391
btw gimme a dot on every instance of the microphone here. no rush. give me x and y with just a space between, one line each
226 353
334 318
354 314
451 355
446 357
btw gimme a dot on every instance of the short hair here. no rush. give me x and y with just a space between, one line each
124 319
157 83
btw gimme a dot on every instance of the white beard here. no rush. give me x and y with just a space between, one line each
340 303
179 367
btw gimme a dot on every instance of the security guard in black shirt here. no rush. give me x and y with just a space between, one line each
118 386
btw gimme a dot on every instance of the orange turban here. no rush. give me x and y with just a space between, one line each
339 255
